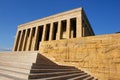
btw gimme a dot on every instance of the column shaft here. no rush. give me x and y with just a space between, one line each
35 41
51 32
29 40
16 40
24 37
59 31
68 28
79 27
44 33
24 41
19 43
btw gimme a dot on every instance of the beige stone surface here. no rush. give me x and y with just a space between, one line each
99 55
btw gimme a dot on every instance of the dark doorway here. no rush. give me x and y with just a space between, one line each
40 32
63 27
55 27
47 32
73 26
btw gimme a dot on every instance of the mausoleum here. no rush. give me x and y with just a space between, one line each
66 25
61 47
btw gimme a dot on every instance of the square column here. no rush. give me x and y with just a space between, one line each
68 28
79 26
32 36
24 40
35 41
19 44
16 42
29 40
51 32
59 31
44 33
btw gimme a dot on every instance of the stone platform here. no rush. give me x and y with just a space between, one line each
34 66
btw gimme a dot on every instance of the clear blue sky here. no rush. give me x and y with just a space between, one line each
104 15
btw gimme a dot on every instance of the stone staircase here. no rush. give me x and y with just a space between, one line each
34 66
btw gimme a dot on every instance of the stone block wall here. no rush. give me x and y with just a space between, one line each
98 55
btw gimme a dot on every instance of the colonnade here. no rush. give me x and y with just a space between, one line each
29 39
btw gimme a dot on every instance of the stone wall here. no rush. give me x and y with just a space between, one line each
98 55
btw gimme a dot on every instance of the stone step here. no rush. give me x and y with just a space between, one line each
25 65
79 77
15 57
7 77
52 67
50 70
89 78
29 66
62 77
27 71
11 71
16 65
53 74
34 70
2 77
14 74
18 52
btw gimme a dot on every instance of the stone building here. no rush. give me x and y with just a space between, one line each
66 25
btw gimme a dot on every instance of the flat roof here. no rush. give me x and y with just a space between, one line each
55 15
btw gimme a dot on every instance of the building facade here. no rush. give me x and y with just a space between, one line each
65 25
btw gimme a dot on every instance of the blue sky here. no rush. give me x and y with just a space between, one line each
104 15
